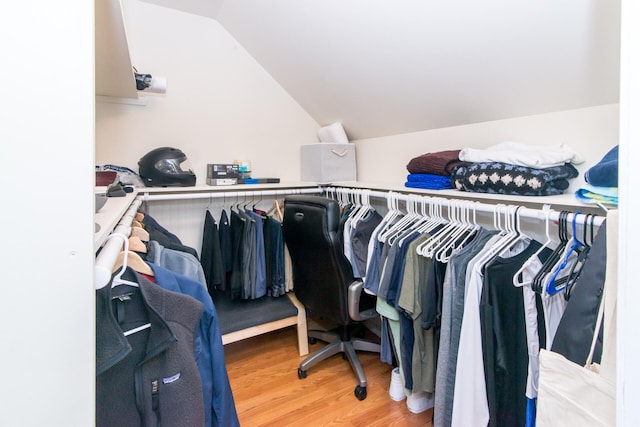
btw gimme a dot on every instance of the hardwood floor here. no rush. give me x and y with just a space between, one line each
263 372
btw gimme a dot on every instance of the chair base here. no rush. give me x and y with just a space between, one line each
338 345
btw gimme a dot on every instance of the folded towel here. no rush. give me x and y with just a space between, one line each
504 178
593 194
440 163
428 182
605 172
515 153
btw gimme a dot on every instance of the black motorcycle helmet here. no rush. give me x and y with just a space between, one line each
161 168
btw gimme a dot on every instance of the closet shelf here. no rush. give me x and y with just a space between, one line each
226 188
559 202
109 216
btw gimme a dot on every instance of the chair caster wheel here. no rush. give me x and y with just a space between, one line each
312 340
303 374
360 392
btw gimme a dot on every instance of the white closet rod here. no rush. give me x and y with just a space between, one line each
523 212
107 257
228 194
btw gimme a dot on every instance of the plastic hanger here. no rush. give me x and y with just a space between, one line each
364 210
519 236
547 266
576 269
458 238
436 220
440 239
519 277
396 227
432 245
471 207
415 220
508 234
435 217
117 279
553 284
392 213
423 218
462 226
389 217
401 226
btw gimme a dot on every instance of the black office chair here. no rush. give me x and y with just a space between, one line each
323 281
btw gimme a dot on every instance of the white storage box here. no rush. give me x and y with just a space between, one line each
325 163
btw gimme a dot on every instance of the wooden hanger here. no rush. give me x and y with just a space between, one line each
134 261
273 207
140 233
136 223
137 245
277 206
139 217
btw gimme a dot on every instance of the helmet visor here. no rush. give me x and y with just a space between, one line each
174 166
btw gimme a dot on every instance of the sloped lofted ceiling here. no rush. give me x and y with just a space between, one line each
390 67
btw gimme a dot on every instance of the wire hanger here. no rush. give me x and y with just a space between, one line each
253 208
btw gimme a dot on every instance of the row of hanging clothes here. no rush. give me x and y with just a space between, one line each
244 255
159 352
466 306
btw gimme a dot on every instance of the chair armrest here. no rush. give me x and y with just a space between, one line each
355 290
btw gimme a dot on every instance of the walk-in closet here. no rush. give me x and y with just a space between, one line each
465 325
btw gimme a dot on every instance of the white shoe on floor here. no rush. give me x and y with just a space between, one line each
396 389
420 402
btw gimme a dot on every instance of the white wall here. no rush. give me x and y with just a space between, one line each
628 348
220 104
590 131
48 311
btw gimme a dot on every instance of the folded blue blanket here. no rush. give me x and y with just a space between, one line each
428 181
605 172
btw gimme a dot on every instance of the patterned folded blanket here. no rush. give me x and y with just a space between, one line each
428 181
504 178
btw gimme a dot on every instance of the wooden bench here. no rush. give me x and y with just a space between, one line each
241 319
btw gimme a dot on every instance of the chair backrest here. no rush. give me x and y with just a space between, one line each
321 272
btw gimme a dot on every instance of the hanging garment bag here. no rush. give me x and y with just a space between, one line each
573 395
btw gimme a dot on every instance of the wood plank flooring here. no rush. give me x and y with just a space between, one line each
263 372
